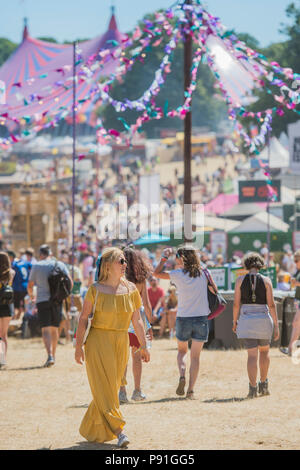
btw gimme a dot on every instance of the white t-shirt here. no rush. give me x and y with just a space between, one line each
192 294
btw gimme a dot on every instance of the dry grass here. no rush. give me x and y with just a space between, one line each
42 408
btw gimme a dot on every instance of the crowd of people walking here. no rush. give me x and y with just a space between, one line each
119 302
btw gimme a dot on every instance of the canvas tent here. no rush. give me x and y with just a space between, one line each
259 223
244 210
36 67
279 156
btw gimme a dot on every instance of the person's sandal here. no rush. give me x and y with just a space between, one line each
180 388
190 395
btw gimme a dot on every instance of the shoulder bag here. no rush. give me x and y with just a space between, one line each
216 302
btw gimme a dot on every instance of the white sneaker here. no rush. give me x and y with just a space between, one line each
138 396
123 397
123 440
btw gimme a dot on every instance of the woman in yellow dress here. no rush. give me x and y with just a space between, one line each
107 346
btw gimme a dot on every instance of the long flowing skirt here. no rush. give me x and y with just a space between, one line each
106 357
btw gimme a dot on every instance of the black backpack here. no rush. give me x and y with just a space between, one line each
6 294
59 284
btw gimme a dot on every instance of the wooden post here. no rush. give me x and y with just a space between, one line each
187 196
28 227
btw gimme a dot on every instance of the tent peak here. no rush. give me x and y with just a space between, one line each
25 30
113 22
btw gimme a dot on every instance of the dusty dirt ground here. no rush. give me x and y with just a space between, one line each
42 408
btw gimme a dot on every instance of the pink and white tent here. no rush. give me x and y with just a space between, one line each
38 76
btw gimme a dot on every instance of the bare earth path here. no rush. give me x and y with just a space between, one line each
42 408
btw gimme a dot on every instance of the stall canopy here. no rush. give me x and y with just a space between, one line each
259 223
279 156
244 210
221 204
36 66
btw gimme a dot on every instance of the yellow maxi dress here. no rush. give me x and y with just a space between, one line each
106 357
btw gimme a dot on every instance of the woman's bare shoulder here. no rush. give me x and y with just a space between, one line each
131 286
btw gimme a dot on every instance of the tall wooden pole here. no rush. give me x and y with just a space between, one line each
268 206
74 159
187 196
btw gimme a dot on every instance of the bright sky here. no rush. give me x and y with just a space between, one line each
72 19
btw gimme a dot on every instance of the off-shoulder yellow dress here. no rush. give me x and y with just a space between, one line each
106 357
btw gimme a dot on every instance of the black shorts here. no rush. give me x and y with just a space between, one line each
6 310
19 297
49 314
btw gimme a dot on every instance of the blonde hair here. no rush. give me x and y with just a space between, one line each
109 256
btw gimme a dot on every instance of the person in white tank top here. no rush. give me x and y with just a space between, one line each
192 313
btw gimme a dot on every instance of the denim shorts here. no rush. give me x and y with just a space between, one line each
195 328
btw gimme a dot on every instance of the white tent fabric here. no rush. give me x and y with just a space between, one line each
259 223
279 156
284 140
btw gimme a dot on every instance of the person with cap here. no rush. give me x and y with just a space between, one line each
49 313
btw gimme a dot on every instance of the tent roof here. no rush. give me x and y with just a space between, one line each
53 62
245 209
279 155
221 204
259 223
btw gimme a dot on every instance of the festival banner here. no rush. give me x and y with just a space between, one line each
294 146
218 243
220 276
296 241
269 272
258 191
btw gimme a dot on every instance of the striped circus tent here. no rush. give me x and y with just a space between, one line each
38 76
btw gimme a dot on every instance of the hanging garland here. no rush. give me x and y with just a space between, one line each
195 21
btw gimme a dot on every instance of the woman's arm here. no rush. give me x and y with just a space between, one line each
141 335
146 302
158 270
236 303
272 307
82 324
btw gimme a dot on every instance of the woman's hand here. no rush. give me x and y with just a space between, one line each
276 333
167 252
145 355
149 335
79 355
234 325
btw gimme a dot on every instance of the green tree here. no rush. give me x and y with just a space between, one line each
206 110
287 54
47 39
7 47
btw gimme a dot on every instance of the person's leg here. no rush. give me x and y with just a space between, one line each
264 362
54 339
252 365
195 363
136 368
171 322
181 357
181 362
4 324
295 331
47 339
162 325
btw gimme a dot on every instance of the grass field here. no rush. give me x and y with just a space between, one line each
42 408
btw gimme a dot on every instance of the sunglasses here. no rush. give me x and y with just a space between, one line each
177 255
122 261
